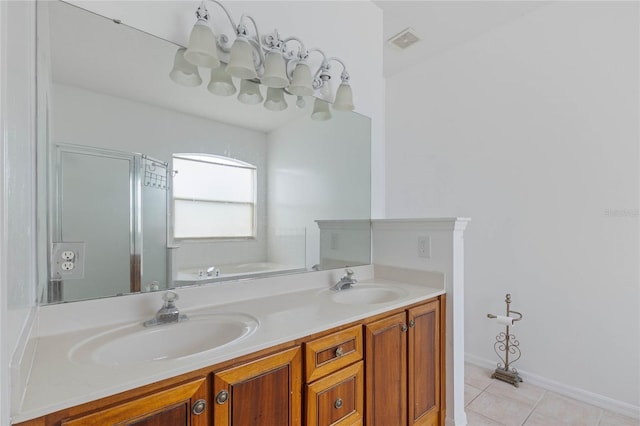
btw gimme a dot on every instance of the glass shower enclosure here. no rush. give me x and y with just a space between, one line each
110 208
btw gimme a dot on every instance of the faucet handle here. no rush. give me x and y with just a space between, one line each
349 273
170 296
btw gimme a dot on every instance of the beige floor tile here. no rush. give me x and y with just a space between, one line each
501 409
476 419
536 419
526 393
470 393
477 377
613 419
567 410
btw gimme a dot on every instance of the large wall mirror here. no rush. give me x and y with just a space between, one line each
150 185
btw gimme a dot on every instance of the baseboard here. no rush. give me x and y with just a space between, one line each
598 400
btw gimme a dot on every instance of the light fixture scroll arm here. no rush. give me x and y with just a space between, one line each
242 30
344 76
202 5
302 54
322 69
293 58
203 15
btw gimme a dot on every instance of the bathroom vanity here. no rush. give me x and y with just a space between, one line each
372 354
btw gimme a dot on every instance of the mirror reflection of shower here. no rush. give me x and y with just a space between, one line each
155 265
110 215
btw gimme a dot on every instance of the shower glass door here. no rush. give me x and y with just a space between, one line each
103 199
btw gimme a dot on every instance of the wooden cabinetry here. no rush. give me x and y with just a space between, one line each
386 371
335 377
398 356
406 391
262 392
184 404
424 364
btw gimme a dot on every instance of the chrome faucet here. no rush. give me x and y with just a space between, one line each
169 313
212 270
346 281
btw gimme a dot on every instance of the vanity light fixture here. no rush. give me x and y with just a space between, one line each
255 61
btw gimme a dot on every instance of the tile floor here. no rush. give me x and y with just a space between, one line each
490 402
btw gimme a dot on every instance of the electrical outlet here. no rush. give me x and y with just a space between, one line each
335 241
424 247
67 266
68 255
67 261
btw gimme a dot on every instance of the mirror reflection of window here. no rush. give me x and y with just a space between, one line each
214 197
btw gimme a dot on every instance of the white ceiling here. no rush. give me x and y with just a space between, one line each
442 25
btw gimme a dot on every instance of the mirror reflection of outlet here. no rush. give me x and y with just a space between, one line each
67 261
67 266
68 255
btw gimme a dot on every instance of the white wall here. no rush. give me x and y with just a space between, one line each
17 192
532 131
318 177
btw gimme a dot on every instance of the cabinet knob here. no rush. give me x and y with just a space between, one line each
412 323
198 407
338 403
403 328
222 397
339 351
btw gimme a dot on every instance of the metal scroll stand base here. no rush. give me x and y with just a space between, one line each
507 344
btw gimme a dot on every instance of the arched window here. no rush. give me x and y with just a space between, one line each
213 197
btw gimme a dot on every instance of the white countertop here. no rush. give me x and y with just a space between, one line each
57 382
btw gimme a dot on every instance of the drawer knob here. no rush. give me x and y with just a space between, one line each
403 327
339 351
198 407
222 397
338 403
412 323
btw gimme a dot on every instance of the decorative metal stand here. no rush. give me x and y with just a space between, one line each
507 343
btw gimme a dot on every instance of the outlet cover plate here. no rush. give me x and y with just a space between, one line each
60 260
424 247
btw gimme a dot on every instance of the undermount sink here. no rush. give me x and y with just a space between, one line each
133 344
363 294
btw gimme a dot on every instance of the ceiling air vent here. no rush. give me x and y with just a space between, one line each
404 38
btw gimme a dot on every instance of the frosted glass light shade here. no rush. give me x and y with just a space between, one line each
241 61
320 110
183 72
221 83
275 73
202 47
275 100
325 92
302 82
344 98
250 92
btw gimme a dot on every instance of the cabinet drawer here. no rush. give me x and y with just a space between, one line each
330 353
337 399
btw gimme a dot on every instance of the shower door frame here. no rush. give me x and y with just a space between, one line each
135 195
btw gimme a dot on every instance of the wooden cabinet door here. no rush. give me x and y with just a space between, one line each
386 371
264 392
173 406
424 364
338 399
